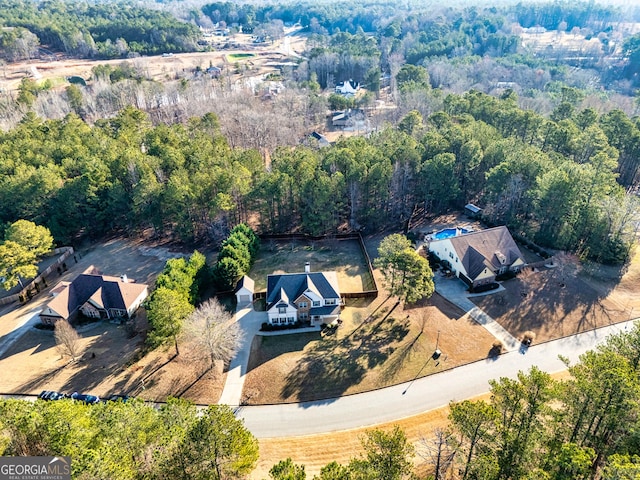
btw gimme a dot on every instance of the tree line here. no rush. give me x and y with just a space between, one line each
237 253
88 29
131 440
561 182
534 427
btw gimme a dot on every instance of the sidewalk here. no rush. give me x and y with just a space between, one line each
454 290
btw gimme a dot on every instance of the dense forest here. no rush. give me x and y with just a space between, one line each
83 29
550 157
560 182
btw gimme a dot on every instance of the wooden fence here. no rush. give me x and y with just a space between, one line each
40 281
370 293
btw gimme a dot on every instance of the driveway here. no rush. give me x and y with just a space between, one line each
421 395
250 322
454 290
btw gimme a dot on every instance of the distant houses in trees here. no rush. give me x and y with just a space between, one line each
347 88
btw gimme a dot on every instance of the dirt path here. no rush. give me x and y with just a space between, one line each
159 68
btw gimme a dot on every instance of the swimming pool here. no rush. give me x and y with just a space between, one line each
450 232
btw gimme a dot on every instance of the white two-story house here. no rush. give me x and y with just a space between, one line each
312 297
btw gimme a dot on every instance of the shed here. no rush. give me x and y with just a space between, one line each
472 211
244 290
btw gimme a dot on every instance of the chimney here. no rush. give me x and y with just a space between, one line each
307 267
123 278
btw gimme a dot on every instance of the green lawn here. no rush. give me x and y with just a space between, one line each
234 57
343 256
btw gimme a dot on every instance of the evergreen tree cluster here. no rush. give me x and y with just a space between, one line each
237 254
174 297
91 29
131 440
585 427
560 181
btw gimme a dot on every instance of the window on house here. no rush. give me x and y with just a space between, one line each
282 309
316 304
303 315
302 304
330 301
450 254
290 319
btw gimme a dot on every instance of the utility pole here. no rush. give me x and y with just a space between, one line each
437 353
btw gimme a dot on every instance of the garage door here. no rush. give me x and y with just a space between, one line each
244 298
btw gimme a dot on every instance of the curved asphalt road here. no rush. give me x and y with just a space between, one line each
421 395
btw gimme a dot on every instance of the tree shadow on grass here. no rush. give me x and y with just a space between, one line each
40 381
39 340
394 365
552 304
333 365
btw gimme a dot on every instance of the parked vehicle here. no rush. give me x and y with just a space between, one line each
52 395
119 398
88 399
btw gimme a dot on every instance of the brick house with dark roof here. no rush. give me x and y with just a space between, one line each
96 296
312 297
477 257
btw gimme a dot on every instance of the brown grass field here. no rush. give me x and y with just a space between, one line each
343 256
158 68
568 299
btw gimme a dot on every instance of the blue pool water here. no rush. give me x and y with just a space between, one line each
450 232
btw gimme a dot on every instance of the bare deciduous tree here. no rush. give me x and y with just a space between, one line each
67 339
439 451
214 332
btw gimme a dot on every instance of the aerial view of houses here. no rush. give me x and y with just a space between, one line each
308 297
329 240
95 296
478 257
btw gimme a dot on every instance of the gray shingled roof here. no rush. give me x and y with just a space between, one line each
325 310
246 282
109 292
481 249
324 284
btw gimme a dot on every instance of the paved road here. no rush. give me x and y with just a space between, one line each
412 398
